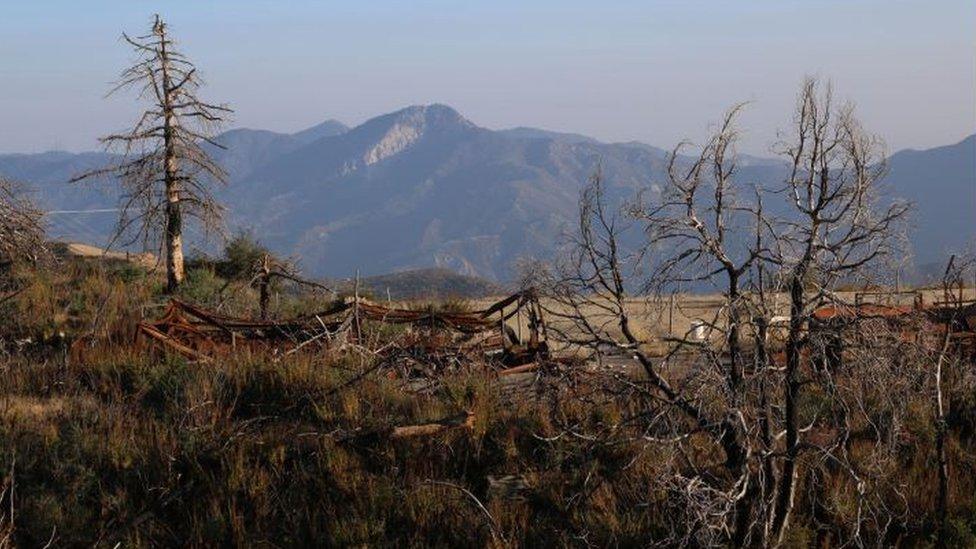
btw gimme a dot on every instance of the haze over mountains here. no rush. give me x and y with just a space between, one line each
425 187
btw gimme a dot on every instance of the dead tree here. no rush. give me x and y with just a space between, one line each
952 279
835 230
21 228
268 269
165 173
694 238
706 230
587 299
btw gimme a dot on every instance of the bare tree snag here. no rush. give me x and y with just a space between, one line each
693 236
587 295
165 173
264 285
836 230
741 399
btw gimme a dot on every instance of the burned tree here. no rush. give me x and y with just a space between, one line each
734 400
693 227
21 229
694 238
246 259
950 317
835 230
588 300
165 172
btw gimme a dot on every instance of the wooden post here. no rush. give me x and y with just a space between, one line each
264 284
518 318
533 326
501 327
542 321
671 316
355 310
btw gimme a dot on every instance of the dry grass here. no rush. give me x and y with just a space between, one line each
126 447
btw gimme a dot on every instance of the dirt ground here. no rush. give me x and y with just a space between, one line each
77 249
655 320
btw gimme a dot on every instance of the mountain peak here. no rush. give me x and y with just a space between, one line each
399 130
328 128
435 116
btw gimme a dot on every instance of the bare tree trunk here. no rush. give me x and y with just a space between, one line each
744 506
174 218
174 239
787 482
765 422
940 439
734 345
940 420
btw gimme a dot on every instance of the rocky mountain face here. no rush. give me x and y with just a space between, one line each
424 187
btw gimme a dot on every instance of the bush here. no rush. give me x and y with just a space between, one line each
241 255
202 285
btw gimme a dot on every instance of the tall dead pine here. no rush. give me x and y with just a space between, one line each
164 170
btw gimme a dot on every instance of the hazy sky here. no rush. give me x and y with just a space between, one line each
648 70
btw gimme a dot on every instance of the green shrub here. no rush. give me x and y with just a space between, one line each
241 255
202 285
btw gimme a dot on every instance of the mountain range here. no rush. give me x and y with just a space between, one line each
424 187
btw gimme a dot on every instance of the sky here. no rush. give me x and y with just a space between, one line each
648 70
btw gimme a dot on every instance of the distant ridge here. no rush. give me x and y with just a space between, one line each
941 185
328 128
433 284
523 132
424 187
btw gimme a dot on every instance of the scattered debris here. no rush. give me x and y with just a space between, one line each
847 325
434 341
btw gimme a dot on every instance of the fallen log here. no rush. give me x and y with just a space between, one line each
167 341
463 420
530 367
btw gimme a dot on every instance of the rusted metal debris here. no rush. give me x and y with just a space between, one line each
433 339
918 323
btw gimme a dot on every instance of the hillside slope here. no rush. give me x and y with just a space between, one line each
941 185
423 187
